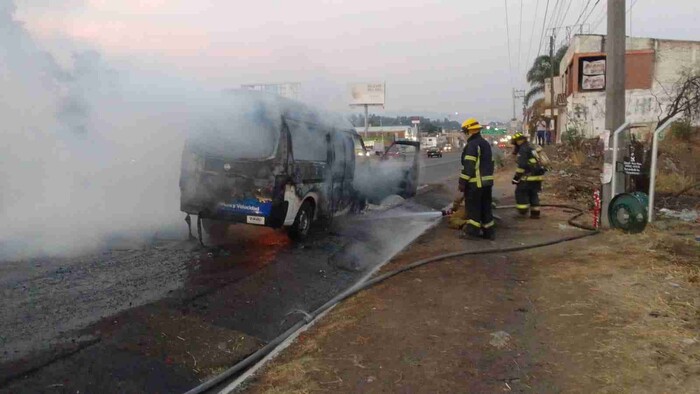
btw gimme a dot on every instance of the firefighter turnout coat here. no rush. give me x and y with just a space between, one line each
529 176
477 163
528 169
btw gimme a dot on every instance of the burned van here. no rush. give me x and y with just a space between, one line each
268 161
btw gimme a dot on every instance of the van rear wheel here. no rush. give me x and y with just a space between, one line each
215 229
302 223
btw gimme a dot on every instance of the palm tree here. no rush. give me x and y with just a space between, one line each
540 71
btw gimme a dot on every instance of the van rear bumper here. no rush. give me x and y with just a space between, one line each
275 219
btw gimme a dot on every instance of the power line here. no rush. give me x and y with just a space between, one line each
520 37
544 23
510 64
591 12
601 17
555 15
561 22
629 11
583 11
558 25
532 33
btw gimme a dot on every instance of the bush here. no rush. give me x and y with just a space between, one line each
683 130
673 182
573 137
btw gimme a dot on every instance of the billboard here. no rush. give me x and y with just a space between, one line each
367 94
289 90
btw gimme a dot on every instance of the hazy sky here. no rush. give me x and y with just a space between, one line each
437 57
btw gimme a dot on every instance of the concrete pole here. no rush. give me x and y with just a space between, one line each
614 93
551 85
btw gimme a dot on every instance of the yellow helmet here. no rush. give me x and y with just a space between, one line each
516 137
471 124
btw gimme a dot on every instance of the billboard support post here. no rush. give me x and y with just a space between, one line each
366 120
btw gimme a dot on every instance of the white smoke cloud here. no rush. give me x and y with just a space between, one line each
88 152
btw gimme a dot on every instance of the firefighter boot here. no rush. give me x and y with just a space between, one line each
489 234
535 213
470 232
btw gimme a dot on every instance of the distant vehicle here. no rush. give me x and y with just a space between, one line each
434 152
378 148
428 142
393 153
447 148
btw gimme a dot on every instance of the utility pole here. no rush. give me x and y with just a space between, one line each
551 83
518 94
614 94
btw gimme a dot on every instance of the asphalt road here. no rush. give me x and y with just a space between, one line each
106 322
438 168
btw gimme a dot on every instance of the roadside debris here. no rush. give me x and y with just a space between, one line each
500 339
686 215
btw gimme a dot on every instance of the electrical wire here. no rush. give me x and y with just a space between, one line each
583 11
510 64
629 11
563 18
532 33
520 38
591 13
544 23
601 17
556 12
561 23
555 15
307 318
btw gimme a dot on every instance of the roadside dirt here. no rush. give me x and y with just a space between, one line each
608 313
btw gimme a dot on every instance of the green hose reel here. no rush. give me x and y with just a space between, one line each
628 212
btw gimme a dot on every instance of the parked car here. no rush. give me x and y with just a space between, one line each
434 152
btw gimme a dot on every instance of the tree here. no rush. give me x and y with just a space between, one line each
685 98
540 71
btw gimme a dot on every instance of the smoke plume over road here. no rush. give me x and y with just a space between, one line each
88 153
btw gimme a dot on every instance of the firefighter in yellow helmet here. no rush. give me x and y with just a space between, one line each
528 177
476 181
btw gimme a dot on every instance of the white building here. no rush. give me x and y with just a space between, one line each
290 90
653 67
387 133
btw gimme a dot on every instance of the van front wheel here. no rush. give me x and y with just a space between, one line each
302 223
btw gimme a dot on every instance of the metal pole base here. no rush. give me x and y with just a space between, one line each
199 229
188 220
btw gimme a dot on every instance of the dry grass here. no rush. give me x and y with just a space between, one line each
578 157
644 299
673 183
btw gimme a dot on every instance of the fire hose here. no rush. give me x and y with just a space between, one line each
253 358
